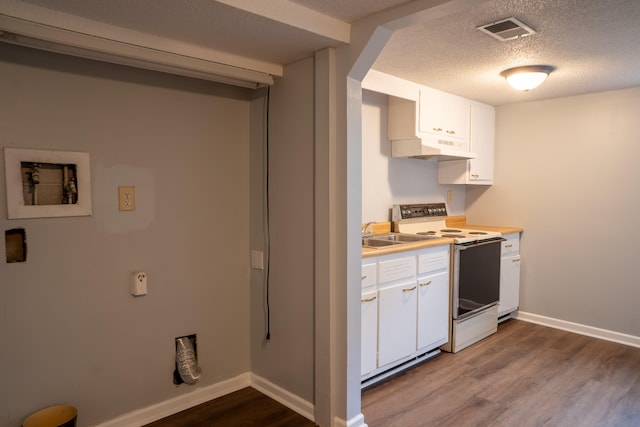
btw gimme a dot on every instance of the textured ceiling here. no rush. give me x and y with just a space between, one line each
592 43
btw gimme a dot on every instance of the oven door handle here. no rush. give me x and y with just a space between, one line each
465 246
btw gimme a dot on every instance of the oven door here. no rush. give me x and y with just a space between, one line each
476 280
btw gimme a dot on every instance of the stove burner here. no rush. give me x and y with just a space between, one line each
477 232
454 236
450 230
426 233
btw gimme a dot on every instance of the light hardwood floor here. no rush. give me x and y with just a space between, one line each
524 375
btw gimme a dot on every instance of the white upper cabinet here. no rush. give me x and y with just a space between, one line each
423 122
483 118
482 138
438 128
446 116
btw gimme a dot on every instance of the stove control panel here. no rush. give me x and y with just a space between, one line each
419 211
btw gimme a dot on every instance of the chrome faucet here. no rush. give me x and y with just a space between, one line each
366 227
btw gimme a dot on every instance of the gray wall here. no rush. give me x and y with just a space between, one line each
69 329
287 359
567 171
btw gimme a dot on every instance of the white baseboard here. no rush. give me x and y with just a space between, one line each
160 410
201 395
288 399
578 328
357 421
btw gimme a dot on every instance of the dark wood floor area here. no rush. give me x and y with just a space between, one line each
243 408
525 375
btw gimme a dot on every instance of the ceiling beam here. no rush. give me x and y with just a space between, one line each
26 15
39 36
295 15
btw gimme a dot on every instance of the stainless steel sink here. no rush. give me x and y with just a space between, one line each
406 238
383 240
371 242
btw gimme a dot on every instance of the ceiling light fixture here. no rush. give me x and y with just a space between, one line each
527 77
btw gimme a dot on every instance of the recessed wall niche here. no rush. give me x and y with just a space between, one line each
49 183
43 183
16 245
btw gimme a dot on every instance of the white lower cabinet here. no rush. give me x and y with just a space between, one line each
433 315
509 275
397 322
369 325
406 313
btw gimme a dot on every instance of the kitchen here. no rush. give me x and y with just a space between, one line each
390 180
546 176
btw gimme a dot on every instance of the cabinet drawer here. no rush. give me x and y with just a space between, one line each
369 275
433 259
511 245
396 269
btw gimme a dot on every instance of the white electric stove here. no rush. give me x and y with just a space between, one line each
429 219
475 274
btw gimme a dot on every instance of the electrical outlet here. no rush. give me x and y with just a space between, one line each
138 283
127 198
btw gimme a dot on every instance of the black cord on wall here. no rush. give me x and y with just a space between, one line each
267 237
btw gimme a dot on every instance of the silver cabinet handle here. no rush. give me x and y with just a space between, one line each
516 259
508 246
425 283
475 175
364 276
409 289
438 129
451 132
368 299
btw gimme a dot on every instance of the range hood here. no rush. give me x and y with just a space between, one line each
428 147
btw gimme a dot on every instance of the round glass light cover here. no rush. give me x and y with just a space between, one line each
526 81
527 77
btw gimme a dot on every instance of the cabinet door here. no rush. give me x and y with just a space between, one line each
369 332
433 310
397 322
482 141
509 284
444 114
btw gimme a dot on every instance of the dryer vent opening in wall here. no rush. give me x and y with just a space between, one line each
187 369
16 245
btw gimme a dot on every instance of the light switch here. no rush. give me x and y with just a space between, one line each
257 260
127 198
